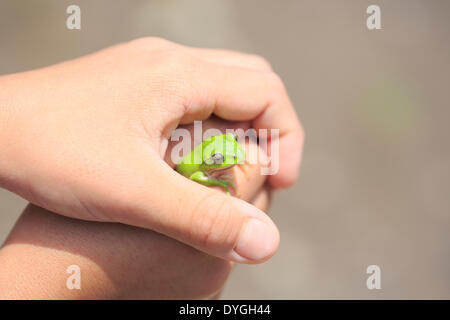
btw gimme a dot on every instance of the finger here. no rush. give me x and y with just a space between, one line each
263 198
207 219
248 178
231 58
240 94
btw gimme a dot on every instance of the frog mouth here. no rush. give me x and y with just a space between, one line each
222 168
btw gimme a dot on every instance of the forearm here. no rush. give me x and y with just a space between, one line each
35 259
116 261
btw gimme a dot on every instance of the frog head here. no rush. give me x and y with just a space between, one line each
222 152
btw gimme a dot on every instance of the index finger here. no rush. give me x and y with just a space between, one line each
241 94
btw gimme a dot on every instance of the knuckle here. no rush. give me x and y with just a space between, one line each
275 86
177 71
275 80
174 62
302 134
299 132
261 62
146 43
174 70
174 59
160 42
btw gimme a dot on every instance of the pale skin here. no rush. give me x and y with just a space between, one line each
116 261
86 139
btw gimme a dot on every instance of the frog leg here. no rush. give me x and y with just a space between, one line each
227 177
202 178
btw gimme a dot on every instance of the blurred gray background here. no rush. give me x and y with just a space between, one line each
375 180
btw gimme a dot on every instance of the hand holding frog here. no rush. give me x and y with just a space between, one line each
87 138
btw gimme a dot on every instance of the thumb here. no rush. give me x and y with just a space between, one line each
205 218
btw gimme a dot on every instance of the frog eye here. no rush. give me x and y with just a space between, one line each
216 158
236 138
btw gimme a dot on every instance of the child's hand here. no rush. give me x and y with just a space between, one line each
86 138
116 261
